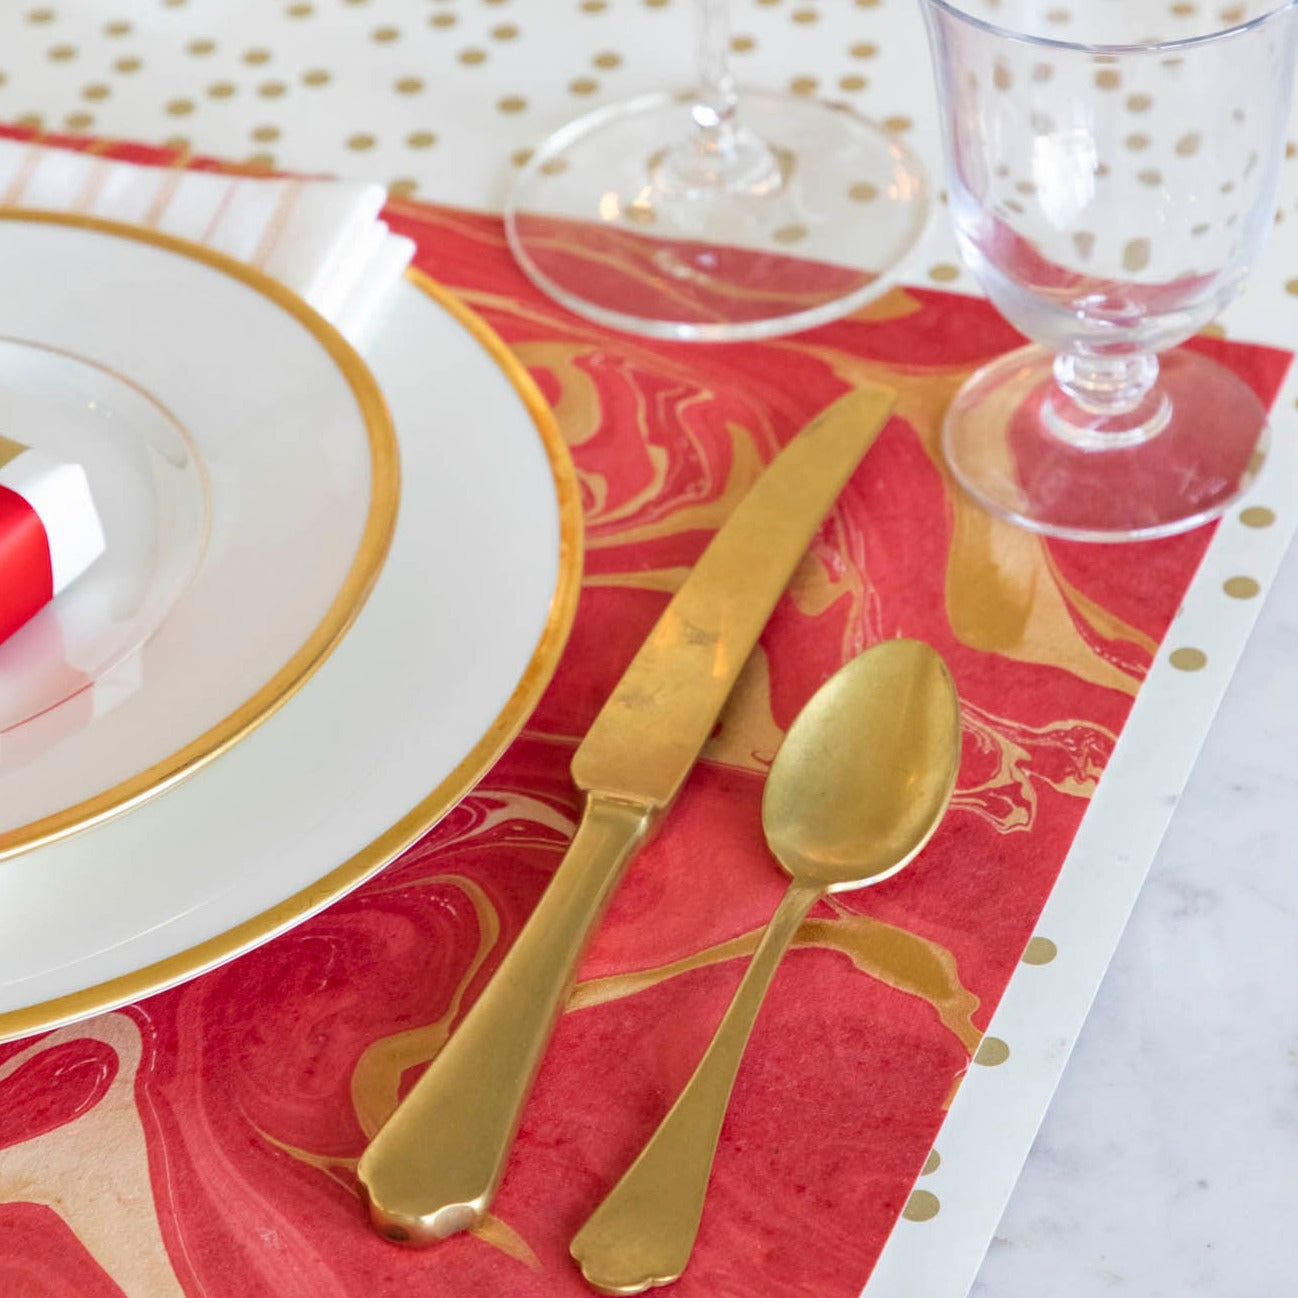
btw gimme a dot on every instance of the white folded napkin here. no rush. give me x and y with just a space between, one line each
322 238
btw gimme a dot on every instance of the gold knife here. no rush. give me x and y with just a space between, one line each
434 1167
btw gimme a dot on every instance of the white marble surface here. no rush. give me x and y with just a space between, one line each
1168 1163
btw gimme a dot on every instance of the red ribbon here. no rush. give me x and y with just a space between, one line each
26 579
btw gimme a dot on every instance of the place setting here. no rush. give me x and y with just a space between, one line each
603 733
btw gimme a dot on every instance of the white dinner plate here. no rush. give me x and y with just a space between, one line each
244 466
444 662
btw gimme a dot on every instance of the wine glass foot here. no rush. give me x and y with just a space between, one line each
1004 443
625 218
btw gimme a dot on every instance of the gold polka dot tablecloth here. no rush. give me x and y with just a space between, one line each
440 100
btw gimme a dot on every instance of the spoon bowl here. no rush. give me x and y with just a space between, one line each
865 772
859 785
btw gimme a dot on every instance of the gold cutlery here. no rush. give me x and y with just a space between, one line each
433 1169
857 788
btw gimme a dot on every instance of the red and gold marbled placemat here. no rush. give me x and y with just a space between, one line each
204 1141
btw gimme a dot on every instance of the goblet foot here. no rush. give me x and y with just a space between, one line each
635 218
1015 443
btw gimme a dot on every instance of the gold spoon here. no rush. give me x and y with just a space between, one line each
860 783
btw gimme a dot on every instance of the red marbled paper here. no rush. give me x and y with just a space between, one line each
204 1141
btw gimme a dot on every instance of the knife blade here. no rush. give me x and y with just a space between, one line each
433 1168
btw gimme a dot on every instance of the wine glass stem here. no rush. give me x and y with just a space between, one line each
715 99
719 155
1106 383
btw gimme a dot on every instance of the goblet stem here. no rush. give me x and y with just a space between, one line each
1106 399
720 153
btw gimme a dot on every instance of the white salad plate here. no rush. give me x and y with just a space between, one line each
244 466
439 670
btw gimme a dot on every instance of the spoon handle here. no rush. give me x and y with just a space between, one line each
643 1232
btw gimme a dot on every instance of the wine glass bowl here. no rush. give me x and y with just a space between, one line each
1111 178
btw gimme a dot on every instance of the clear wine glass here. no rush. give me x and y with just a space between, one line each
1112 173
716 214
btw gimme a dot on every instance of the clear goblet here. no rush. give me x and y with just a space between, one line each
716 215
1112 172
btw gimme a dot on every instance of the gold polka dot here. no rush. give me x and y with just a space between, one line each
1214 330
863 192
300 10
1084 242
922 1205
40 16
1290 149
794 233
1135 255
361 141
1200 229
421 139
1188 145
272 89
897 125
262 161
408 85
805 16
656 4
931 1163
62 53
863 50
96 91
742 44
1058 16
1183 9
442 19
852 82
1241 587
991 1052
1108 78
521 157
1040 950
554 167
472 56
316 77
593 6
201 47
1139 103
803 85
1150 176
179 107
118 28
607 60
504 32
265 134
1002 78
1188 660
33 121
256 57
177 143
1042 71
221 89
385 35
403 187
944 272
1257 516
1233 13
1137 141
583 85
512 104
79 121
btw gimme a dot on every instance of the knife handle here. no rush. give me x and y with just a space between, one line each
434 1167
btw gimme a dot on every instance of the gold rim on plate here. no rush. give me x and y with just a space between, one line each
359 580
536 676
